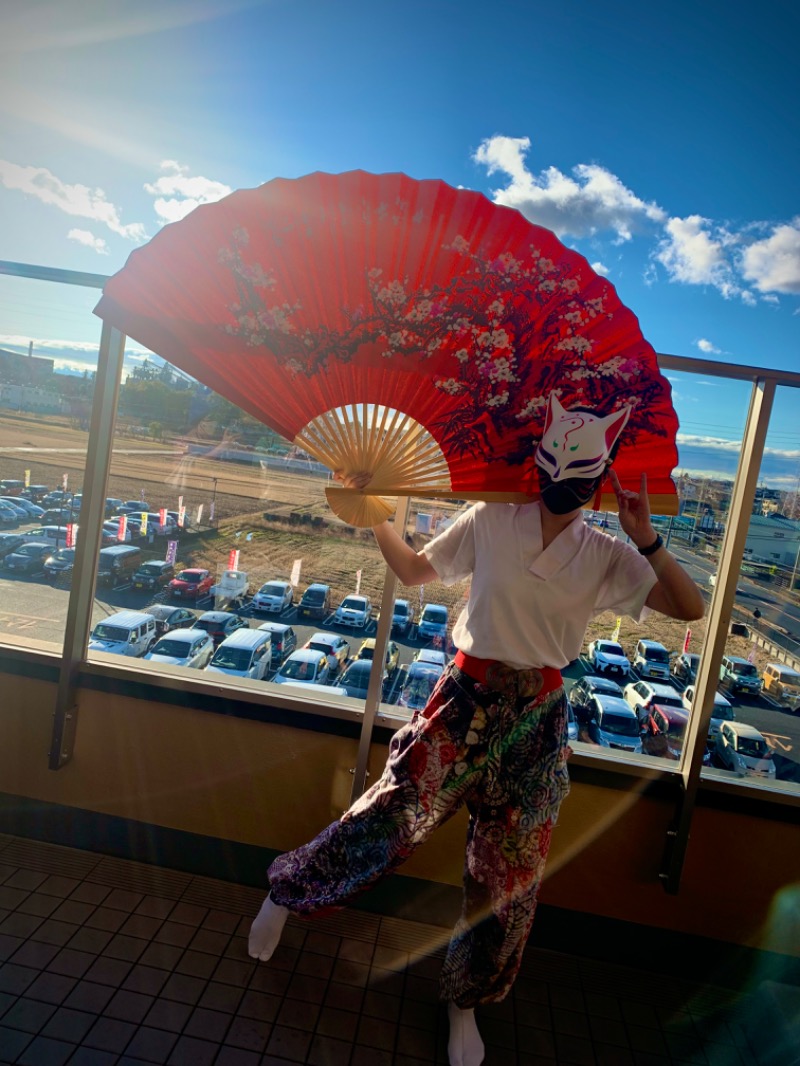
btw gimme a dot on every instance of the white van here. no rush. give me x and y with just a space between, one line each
55 536
129 633
245 653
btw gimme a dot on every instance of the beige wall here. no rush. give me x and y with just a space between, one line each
276 786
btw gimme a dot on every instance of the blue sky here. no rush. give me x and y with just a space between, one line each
661 141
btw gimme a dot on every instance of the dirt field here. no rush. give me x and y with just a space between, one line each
286 515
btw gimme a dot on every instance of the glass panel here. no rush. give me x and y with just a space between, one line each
760 674
217 524
661 654
49 342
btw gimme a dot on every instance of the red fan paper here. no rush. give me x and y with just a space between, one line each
328 301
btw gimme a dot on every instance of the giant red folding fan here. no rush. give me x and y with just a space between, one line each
398 326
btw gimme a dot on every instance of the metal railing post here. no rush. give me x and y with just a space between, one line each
730 561
376 675
87 546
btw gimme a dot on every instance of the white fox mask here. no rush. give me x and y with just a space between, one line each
577 444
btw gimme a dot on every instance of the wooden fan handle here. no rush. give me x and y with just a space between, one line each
357 509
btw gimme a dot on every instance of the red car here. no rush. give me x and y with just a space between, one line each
191 584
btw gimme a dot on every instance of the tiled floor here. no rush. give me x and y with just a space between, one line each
104 961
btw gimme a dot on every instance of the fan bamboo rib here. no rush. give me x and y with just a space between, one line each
400 454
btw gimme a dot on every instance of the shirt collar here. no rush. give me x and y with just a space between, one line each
559 552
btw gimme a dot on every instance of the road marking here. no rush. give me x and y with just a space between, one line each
775 741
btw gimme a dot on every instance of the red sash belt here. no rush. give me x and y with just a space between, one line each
499 677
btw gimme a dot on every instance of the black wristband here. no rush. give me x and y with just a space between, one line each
651 549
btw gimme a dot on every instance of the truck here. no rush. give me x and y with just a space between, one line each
232 588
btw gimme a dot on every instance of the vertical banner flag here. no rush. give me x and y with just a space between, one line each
615 634
421 595
71 535
199 513
141 494
123 527
27 479
358 581
64 480
162 517
172 551
249 537
294 577
211 508
686 639
180 502
233 559
143 517
181 515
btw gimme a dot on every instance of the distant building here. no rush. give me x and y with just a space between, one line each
17 369
773 539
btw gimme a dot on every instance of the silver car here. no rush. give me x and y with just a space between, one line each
183 647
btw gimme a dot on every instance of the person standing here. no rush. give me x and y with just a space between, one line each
493 735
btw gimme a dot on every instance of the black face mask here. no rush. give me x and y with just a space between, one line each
561 497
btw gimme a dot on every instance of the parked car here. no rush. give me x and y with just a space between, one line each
367 651
183 527
433 623
9 542
572 723
783 684
34 493
14 504
742 749
55 536
117 564
664 731
273 597
56 498
355 679
112 505
11 487
431 655
739 675
183 647
28 558
245 653
402 618
191 584
651 660
110 533
608 658
585 687
155 574
354 610
169 618
284 640
420 681
685 667
59 516
220 624
612 723
130 633
32 510
335 647
642 695
721 712
9 517
59 565
136 506
304 665
315 601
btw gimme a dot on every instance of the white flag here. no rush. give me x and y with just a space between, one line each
358 581
294 577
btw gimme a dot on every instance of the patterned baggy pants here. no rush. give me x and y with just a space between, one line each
502 754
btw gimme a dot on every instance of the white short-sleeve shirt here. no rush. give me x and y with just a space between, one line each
528 606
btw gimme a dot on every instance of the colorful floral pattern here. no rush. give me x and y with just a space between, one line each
505 757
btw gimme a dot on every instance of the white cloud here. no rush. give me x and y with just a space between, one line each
177 193
706 346
773 264
592 201
83 236
600 268
695 253
77 200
